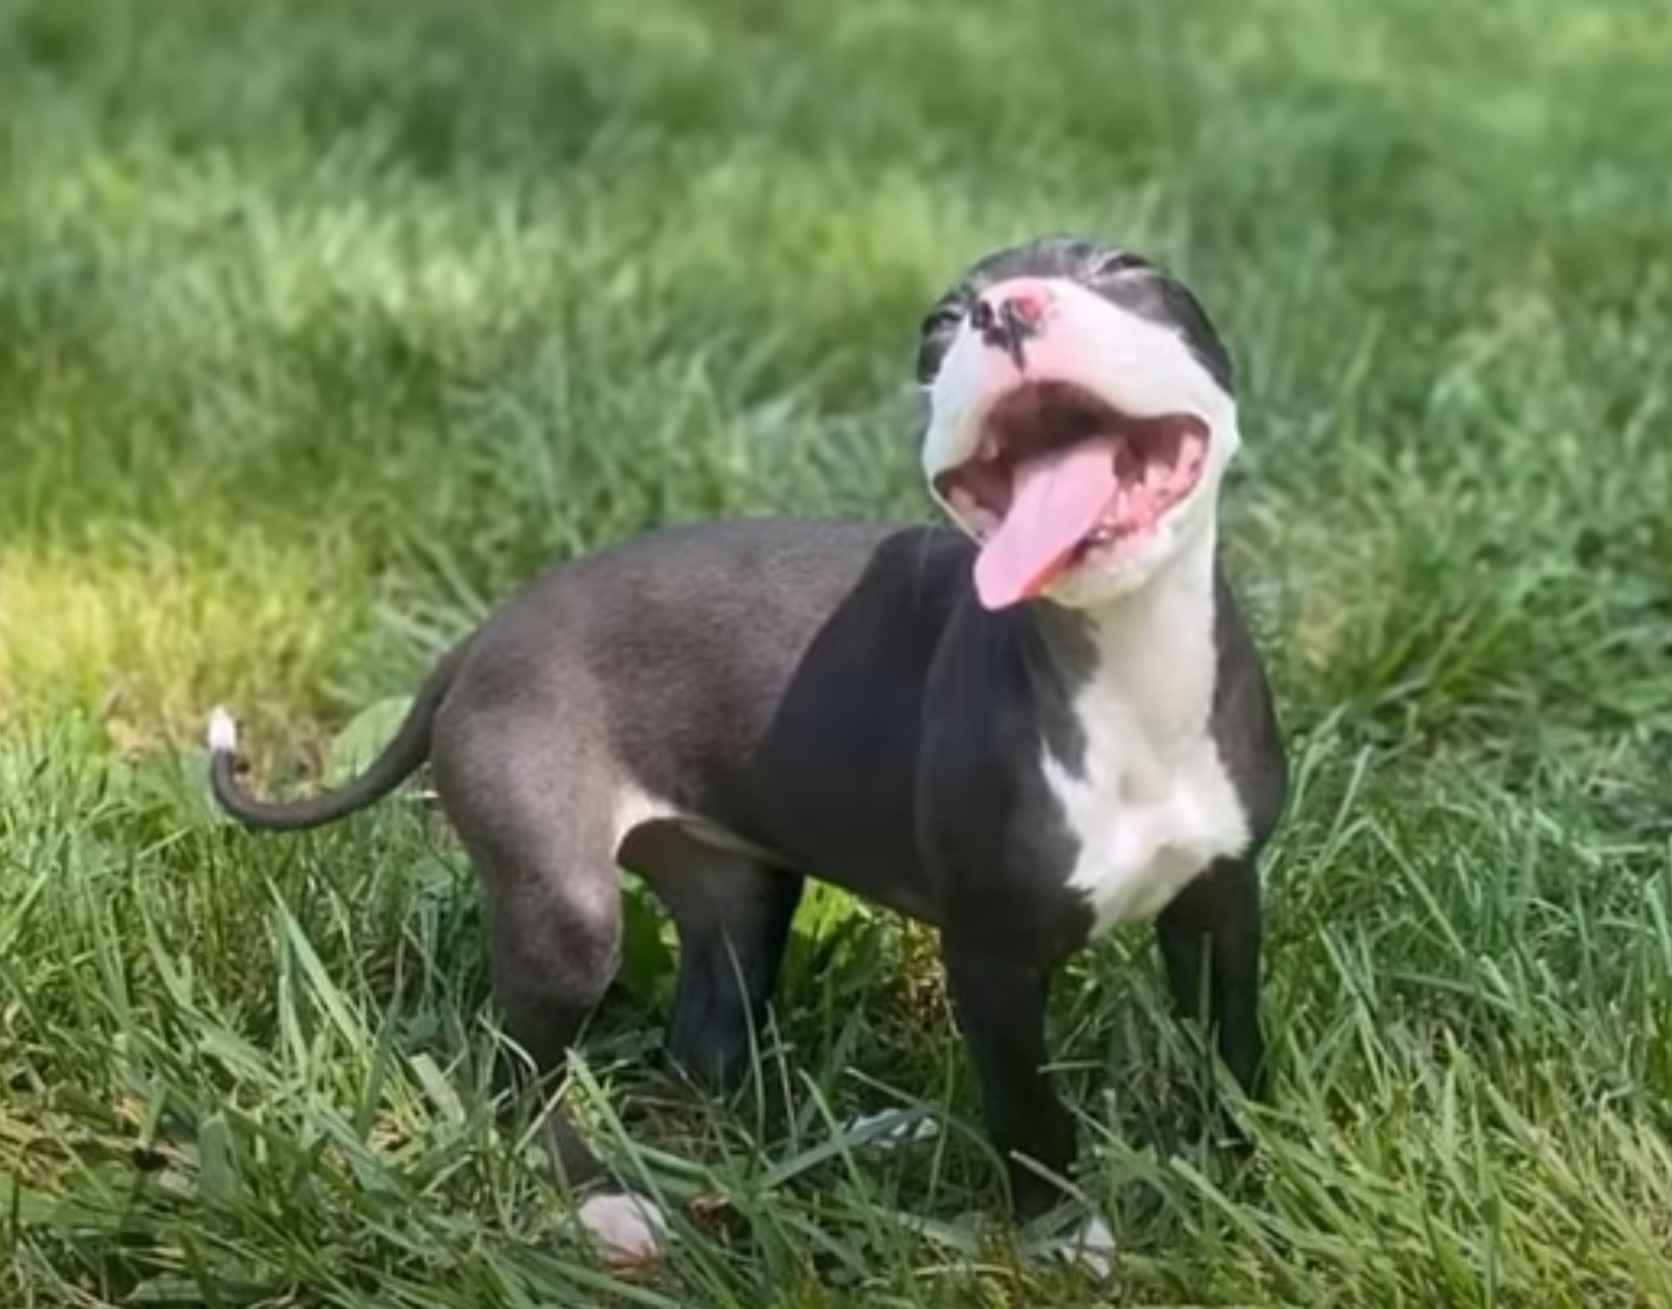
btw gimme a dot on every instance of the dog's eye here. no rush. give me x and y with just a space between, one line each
934 336
942 320
1122 261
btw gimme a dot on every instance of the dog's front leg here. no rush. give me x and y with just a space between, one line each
1000 1003
1210 943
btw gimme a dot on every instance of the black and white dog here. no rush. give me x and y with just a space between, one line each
1025 731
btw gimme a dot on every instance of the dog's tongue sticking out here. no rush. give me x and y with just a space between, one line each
1057 498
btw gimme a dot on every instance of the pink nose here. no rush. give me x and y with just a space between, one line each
1025 298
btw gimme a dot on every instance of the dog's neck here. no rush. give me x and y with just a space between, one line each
1152 648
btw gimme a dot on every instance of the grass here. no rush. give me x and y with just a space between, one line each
323 325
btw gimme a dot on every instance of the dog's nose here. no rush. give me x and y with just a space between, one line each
1008 314
1026 303
1021 300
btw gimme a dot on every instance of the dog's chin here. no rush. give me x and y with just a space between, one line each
1108 572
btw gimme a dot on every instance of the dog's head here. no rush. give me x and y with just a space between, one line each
1079 417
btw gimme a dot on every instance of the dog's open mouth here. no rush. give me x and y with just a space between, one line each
1058 474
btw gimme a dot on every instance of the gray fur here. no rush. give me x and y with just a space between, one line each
806 698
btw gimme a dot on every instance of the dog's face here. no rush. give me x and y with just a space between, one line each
1080 416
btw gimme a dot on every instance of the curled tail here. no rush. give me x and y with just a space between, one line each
407 749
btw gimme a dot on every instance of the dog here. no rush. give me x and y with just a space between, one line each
1024 726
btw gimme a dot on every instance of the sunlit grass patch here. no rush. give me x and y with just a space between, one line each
324 326
144 639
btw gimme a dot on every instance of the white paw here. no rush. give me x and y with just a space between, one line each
1092 1248
628 1228
890 1128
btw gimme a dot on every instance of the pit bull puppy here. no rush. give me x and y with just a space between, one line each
1024 729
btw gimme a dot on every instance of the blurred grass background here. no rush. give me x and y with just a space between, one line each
322 325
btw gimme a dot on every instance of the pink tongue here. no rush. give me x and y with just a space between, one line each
1056 500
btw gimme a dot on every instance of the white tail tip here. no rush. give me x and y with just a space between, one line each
223 733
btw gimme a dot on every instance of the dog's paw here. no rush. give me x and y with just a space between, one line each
1092 1249
890 1129
627 1228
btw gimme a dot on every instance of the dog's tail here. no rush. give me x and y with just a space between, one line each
407 749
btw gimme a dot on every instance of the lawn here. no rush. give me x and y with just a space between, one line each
323 325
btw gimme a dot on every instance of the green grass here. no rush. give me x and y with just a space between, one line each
323 325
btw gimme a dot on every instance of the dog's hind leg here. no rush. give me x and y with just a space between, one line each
733 913
540 830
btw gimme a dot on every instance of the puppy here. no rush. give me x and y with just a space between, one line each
1024 728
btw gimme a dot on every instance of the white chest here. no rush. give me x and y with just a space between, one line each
1148 817
1154 805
